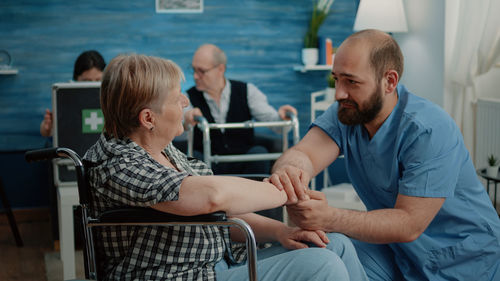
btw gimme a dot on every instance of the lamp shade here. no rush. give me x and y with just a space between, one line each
385 15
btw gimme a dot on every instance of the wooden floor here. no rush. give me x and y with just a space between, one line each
25 263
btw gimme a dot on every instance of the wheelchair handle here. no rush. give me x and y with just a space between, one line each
52 153
41 154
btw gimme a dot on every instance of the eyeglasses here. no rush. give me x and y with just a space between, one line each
200 71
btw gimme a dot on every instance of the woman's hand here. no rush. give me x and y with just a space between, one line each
46 125
295 238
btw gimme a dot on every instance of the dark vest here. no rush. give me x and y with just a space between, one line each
232 141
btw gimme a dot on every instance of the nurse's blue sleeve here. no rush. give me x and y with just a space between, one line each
431 162
329 123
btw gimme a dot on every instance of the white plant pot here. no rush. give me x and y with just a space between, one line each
492 171
310 56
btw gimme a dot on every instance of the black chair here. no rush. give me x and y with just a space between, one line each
135 215
10 215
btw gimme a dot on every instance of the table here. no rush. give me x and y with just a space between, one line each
490 180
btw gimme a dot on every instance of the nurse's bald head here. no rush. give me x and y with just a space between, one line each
384 51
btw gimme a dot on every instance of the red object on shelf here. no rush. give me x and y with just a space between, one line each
329 51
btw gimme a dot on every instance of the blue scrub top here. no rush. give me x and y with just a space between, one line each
419 151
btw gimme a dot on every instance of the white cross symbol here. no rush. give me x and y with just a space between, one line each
93 121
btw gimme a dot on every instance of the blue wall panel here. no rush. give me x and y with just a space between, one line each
262 40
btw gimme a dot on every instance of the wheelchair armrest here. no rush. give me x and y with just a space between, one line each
142 215
145 215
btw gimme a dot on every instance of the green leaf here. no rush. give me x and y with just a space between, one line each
317 18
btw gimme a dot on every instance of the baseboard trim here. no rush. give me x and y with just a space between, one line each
26 215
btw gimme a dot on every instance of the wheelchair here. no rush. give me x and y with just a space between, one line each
134 215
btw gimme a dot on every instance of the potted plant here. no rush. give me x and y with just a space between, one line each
493 164
319 13
330 90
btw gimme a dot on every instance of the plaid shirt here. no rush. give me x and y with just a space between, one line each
124 174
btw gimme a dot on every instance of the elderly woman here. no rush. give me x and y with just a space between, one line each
135 164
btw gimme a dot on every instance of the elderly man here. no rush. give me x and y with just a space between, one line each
221 100
429 217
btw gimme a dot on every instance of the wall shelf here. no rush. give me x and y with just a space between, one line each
10 71
305 68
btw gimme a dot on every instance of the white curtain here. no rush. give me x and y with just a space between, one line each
474 49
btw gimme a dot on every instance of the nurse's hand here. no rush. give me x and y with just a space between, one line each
293 180
313 214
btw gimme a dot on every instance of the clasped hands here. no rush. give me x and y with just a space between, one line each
306 208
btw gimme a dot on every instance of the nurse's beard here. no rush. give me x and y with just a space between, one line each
352 115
